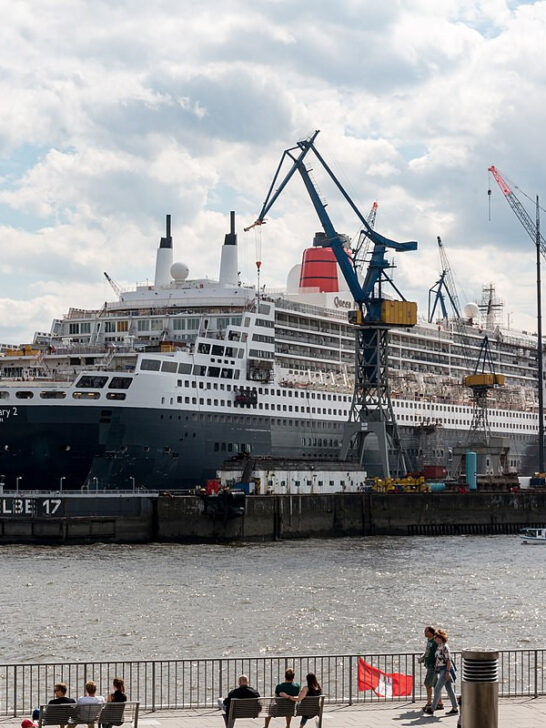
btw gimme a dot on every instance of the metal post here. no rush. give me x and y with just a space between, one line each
153 686
14 691
350 680
539 351
413 676
536 674
480 689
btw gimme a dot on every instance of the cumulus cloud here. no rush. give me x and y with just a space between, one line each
117 113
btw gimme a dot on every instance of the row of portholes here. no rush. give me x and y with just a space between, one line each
51 394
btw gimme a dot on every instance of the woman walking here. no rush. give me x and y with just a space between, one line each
444 664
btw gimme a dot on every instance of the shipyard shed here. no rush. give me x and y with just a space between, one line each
292 476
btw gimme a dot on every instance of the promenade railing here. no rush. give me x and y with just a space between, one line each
184 684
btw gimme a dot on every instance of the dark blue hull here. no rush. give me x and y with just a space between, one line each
71 446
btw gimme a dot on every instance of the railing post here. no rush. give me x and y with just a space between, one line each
14 691
220 677
536 674
351 680
153 686
413 676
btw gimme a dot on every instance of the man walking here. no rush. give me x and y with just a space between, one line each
429 660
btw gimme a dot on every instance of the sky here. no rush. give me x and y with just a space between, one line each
115 113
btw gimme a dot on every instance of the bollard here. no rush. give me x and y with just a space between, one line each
480 689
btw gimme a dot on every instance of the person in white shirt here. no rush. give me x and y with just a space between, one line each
90 694
89 698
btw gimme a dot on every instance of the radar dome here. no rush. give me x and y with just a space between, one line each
293 279
179 271
471 310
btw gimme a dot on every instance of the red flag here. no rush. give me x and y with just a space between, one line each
384 684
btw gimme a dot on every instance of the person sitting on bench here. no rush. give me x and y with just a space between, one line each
243 691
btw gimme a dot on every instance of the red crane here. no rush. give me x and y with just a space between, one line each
517 207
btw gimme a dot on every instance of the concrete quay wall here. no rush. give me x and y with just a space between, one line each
270 518
188 519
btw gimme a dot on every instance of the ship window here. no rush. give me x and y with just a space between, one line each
4 395
24 395
204 348
115 395
143 325
150 365
227 373
199 370
214 371
87 382
86 395
217 350
169 366
51 394
120 383
123 326
184 368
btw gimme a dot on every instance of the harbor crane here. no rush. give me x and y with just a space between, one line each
480 382
520 212
114 286
371 409
444 287
533 230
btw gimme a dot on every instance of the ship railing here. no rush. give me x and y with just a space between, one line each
197 683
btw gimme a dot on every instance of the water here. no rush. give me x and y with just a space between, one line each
310 597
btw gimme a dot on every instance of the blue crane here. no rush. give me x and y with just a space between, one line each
371 409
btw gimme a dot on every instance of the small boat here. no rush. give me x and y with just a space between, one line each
533 535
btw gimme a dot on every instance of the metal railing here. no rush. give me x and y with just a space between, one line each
184 684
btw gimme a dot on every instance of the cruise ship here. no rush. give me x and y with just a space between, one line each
158 388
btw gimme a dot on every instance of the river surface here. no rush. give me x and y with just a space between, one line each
107 602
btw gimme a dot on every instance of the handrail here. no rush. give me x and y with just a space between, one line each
197 683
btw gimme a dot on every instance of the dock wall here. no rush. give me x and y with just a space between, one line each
272 518
186 519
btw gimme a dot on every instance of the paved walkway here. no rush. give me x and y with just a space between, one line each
513 713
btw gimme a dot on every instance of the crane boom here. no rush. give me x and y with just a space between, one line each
450 280
378 264
518 208
115 286
371 409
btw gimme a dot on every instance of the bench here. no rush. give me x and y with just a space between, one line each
106 714
274 707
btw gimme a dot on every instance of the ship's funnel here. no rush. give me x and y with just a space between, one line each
228 262
319 269
164 258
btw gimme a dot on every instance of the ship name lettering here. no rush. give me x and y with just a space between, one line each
6 412
340 303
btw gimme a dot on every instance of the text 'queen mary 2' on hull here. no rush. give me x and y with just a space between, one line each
158 388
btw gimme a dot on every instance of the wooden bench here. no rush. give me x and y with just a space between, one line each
275 708
105 714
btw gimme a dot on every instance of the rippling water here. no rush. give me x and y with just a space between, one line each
334 596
